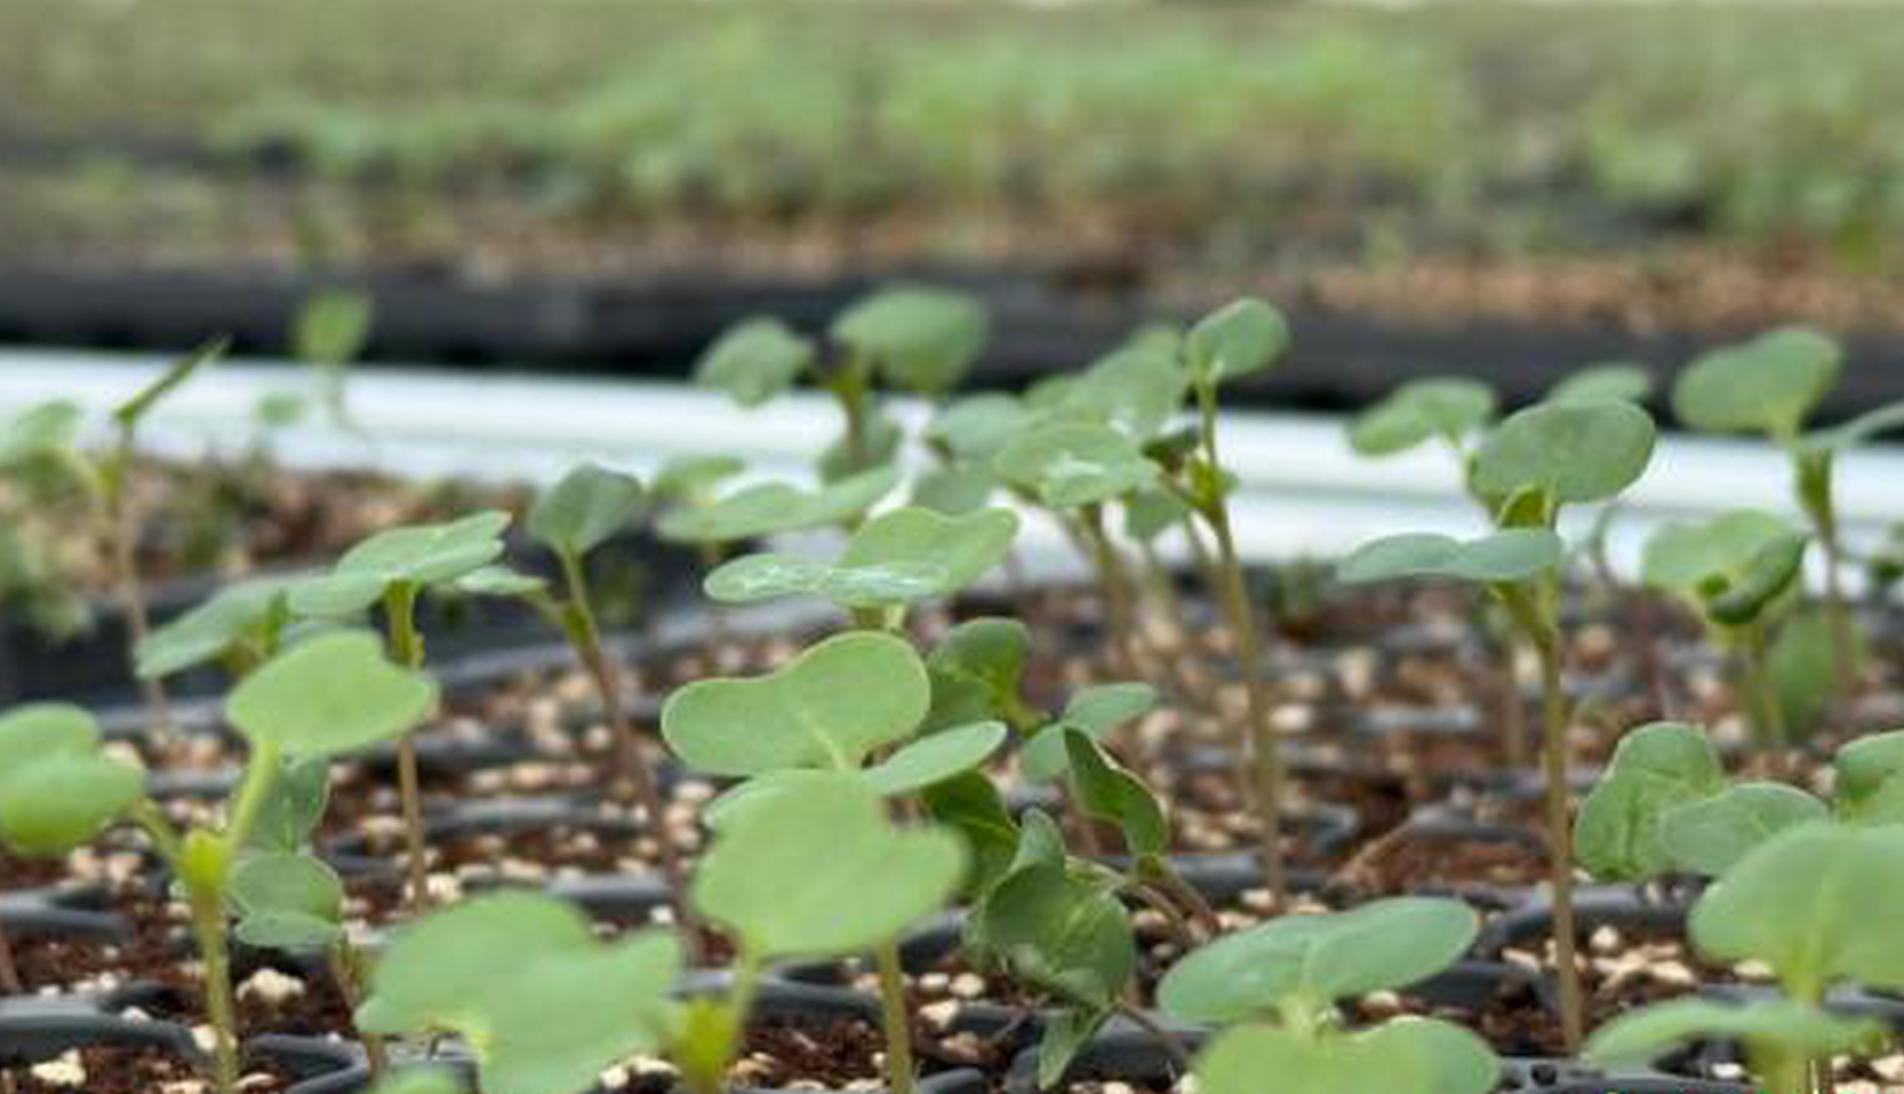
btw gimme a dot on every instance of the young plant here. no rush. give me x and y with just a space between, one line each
391 569
330 695
328 334
1799 903
770 508
1770 385
830 710
814 871
1272 991
1535 462
1735 570
1453 410
911 338
543 1005
48 434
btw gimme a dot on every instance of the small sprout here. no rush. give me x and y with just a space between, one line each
412 557
1419 1055
1513 555
1572 452
547 1007
57 790
773 507
1237 340
830 707
1298 965
893 560
239 625
1654 768
1069 465
1780 1036
1769 384
920 339
1612 380
587 507
329 332
332 694
754 361
1453 409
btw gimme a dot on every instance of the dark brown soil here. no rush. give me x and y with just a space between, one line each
116 1070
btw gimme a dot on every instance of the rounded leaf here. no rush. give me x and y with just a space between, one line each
934 759
921 339
1655 768
234 615
1612 380
1516 554
53 805
1072 464
1769 384
1449 407
331 694
1643 1035
420 554
895 558
589 504
1575 452
771 507
1709 836
754 360
1240 338
1418 1055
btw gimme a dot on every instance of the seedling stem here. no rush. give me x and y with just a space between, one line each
892 999
406 648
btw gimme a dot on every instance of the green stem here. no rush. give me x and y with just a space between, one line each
1264 753
347 971
1115 583
632 769
897 1019
1553 754
406 647
208 930
1768 713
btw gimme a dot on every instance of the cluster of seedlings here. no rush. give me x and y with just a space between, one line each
907 795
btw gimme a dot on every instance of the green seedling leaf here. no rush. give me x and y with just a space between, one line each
1067 1031
1418 1055
1138 388
1517 554
419 555
754 361
40 431
1868 787
589 505
1655 769
292 807
1308 961
1071 464
1451 408
1615 380
692 479
1708 836
332 328
1095 710
1803 666
1769 384
956 490
1802 902
57 791
971 805
1686 558
975 672
896 558
828 708
129 413
772 507
1106 791
249 613
1859 430
921 339
1150 513
1767 575
546 1009
1574 452
1059 932
331 694
877 448
976 427
823 873
288 902
1240 338
1780 1025
934 759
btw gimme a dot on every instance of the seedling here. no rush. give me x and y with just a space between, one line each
1274 988
239 627
48 434
1798 903
1771 385
331 695
1734 570
773 507
391 568
827 711
817 871
910 338
329 333
544 1006
1535 462
1452 410
966 436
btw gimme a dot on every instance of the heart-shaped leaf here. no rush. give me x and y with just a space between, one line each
1516 554
971 806
1449 407
1802 903
1869 771
1096 710
1418 1055
754 360
1708 836
1104 790
292 807
1311 960
975 427
1240 338
1781 1025
1617 380
546 1009
770 507
331 694
39 431
249 612
57 791
418 555
1137 388
1574 452
975 671
287 902
1059 931
936 758
921 339
1655 768
1767 575
1072 464
589 504
823 873
829 707
898 557
1769 384
1686 557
